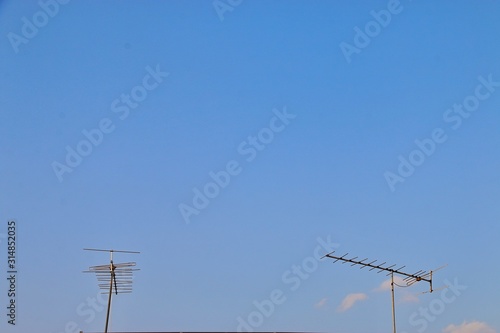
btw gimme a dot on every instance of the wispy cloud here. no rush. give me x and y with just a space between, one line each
469 327
321 303
350 300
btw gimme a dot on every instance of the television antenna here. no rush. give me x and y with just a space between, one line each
117 276
409 279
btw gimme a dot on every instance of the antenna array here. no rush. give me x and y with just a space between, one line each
113 276
409 279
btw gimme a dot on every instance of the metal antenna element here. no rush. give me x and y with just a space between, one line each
118 275
409 279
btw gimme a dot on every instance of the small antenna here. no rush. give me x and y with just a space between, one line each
118 276
409 279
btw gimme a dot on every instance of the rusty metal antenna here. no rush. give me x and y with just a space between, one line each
118 275
409 279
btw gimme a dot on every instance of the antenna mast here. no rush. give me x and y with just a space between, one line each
384 267
118 275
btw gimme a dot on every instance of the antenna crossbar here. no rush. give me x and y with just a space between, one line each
410 278
111 250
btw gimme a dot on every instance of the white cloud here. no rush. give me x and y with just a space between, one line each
321 303
469 327
350 300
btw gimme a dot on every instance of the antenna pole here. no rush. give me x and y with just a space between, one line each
393 306
109 300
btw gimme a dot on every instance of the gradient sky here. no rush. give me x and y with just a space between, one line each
421 85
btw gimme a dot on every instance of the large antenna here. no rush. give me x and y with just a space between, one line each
118 275
384 267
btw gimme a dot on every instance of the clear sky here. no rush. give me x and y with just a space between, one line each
235 142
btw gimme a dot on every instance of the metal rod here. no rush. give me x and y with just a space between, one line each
105 250
393 306
109 298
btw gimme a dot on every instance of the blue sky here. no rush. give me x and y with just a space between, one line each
232 143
